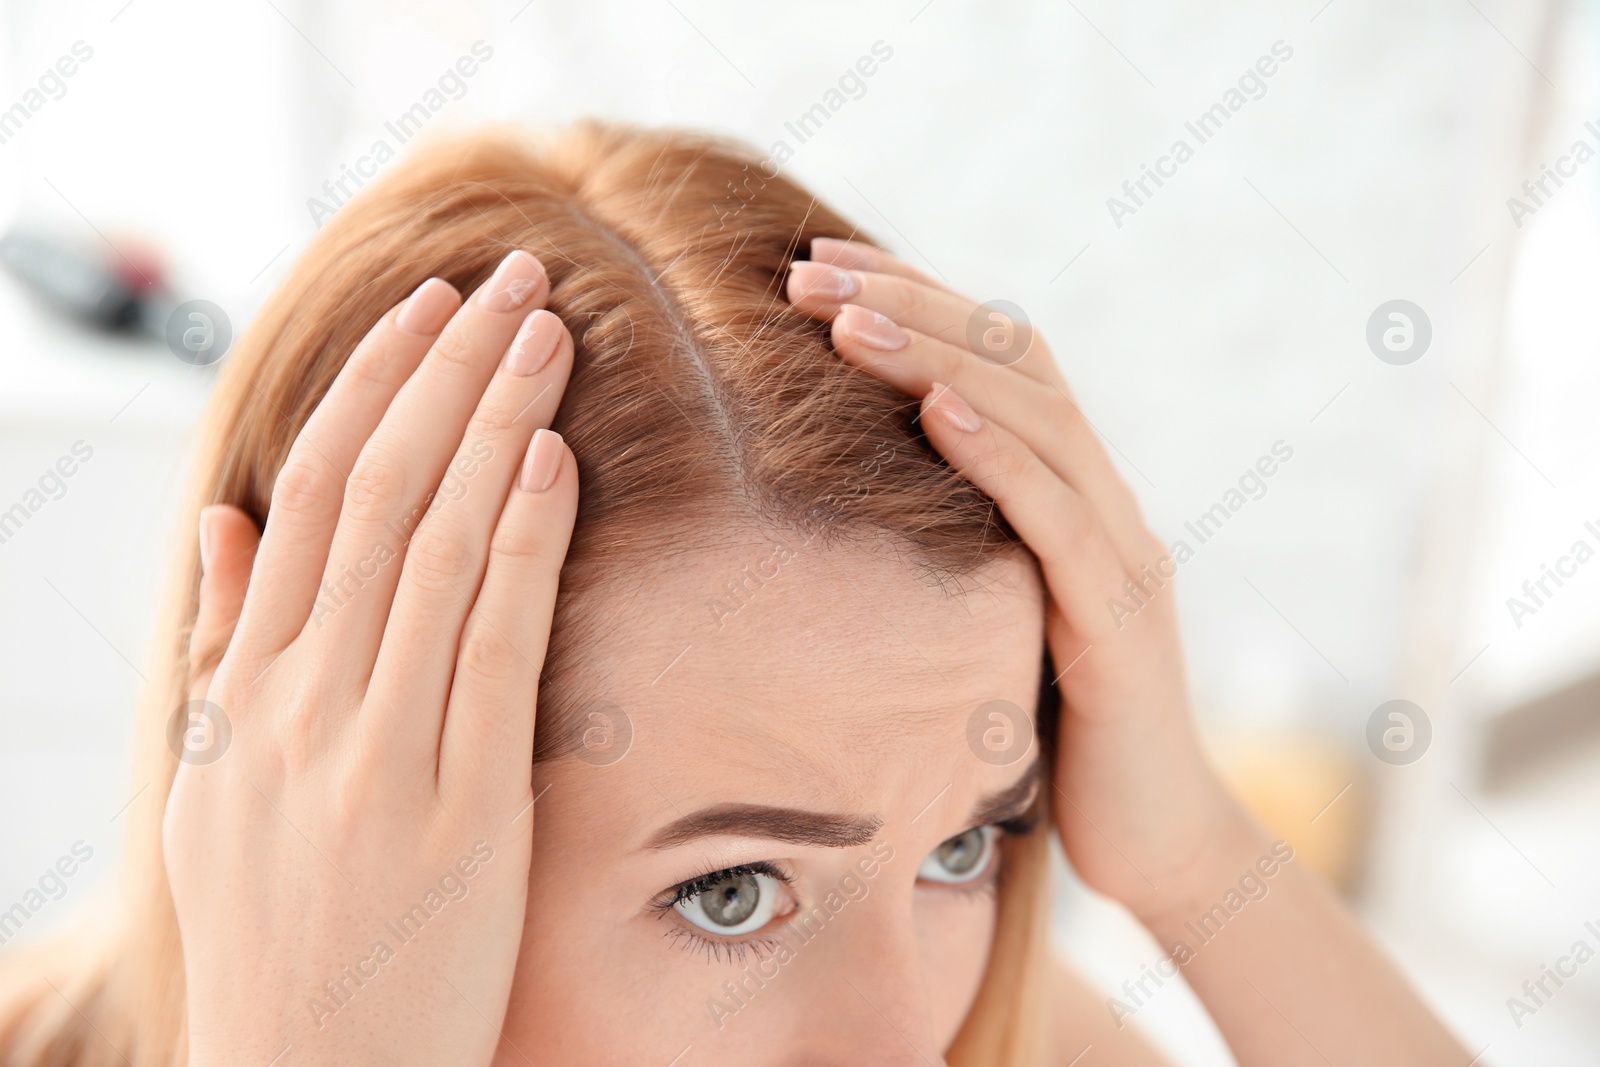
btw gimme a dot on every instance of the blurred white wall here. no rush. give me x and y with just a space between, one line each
1227 313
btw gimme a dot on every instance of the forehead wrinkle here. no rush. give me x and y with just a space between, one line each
758 740
833 763
855 664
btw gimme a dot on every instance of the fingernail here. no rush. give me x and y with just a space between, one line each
542 463
948 403
847 254
208 526
534 344
428 308
515 281
822 280
872 329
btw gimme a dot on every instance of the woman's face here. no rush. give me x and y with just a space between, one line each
793 859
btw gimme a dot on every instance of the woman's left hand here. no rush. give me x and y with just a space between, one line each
1143 817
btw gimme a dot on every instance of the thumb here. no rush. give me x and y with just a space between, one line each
228 542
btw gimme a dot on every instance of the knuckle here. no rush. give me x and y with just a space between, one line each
453 352
303 484
902 301
376 486
497 415
917 296
521 545
1017 470
488 656
439 558
373 369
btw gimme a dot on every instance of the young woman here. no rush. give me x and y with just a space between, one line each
615 636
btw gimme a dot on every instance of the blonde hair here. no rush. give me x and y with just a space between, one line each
666 252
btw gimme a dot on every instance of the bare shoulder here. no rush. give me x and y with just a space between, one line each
1084 1028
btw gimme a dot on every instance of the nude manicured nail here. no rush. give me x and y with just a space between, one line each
871 328
822 280
948 403
428 308
847 254
542 463
534 344
515 281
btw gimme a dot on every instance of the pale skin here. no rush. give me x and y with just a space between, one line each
382 750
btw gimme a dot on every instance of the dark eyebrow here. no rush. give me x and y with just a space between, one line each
829 831
1012 802
779 824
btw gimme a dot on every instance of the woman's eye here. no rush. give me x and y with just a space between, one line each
733 903
962 858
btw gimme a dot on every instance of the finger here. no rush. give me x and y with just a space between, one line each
1048 422
855 255
488 731
445 562
228 543
404 462
1081 568
821 289
307 493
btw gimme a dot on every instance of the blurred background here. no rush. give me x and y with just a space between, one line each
1376 251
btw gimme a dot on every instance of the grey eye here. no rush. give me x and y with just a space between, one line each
962 858
734 904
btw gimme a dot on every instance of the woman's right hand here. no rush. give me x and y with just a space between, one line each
350 872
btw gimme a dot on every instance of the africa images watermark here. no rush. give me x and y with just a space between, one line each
49 887
1252 482
454 886
851 85
783 947
341 589
1536 993
1251 887
451 85
1536 192
1537 591
49 86
50 486
740 591
1202 128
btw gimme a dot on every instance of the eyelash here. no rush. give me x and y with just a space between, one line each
1022 825
714 948
725 950
695 886
742 948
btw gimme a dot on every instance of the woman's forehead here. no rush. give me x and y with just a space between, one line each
836 662
762 621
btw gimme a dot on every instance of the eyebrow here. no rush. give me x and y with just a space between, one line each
823 830
778 824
